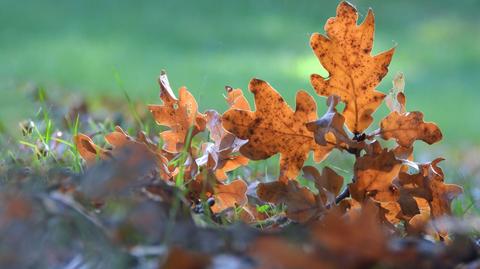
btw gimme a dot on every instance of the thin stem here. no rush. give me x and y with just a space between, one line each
344 194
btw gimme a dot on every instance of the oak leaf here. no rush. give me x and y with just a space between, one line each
179 114
373 176
405 128
329 129
236 99
353 72
395 100
328 183
275 128
302 205
118 139
224 150
229 195
89 151
429 184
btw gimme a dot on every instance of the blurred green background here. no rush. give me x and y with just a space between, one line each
81 46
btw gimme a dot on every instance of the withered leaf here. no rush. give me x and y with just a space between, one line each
328 183
429 184
359 234
236 99
275 128
302 205
224 150
353 72
373 174
179 114
229 195
88 150
274 252
405 128
119 139
395 99
329 129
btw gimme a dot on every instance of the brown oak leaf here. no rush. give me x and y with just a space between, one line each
275 128
405 128
328 183
373 176
329 129
395 100
236 99
302 205
224 150
229 195
89 151
179 114
353 72
429 184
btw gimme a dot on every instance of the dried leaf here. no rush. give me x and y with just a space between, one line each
236 99
331 124
119 139
408 127
395 99
353 72
358 236
275 128
329 182
374 174
88 150
429 184
179 114
229 195
224 152
302 205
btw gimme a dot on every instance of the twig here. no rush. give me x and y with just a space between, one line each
344 194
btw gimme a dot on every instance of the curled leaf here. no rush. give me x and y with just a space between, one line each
180 115
236 99
328 183
329 129
429 184
302 205
229 195
374 174
224 151
395 99
88 150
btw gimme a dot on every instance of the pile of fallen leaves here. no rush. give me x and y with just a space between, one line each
179 201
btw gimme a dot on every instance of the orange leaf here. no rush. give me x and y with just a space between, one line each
429 184
302 204
236 99
328 181
179 114
331 124
88 150
353 72
229 195
223 151
275 128
408 127
374 174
